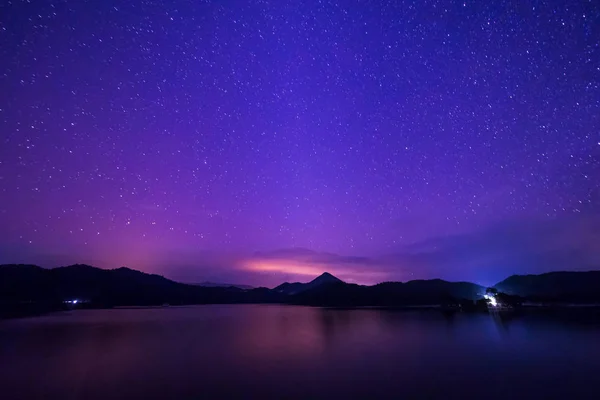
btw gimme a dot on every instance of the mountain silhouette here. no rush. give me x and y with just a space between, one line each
219 284
29 289
563 286
294 288
419 292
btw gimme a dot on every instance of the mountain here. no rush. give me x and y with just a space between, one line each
294 288
420 292
215 284
29 289
26 289
572 287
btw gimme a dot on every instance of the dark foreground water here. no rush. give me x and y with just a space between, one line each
287 352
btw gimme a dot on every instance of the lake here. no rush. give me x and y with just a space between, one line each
270 351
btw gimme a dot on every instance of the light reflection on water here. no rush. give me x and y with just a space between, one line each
263 351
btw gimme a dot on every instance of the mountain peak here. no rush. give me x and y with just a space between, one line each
326 277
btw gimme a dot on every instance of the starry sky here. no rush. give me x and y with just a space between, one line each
261 141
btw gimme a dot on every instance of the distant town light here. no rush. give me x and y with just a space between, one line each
492 299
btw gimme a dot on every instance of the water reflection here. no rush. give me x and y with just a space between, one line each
295 352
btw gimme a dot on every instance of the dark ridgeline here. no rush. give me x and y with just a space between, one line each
219 284
29 289
389 294
294 288
555 287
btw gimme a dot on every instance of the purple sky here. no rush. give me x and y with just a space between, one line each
261 141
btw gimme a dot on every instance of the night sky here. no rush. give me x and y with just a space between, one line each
262 141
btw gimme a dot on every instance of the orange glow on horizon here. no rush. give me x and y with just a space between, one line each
352 274
284 266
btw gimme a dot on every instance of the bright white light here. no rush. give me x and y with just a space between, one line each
75 301
492 299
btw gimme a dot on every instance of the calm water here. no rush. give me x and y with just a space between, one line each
295 352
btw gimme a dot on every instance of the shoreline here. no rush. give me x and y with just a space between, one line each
525 309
